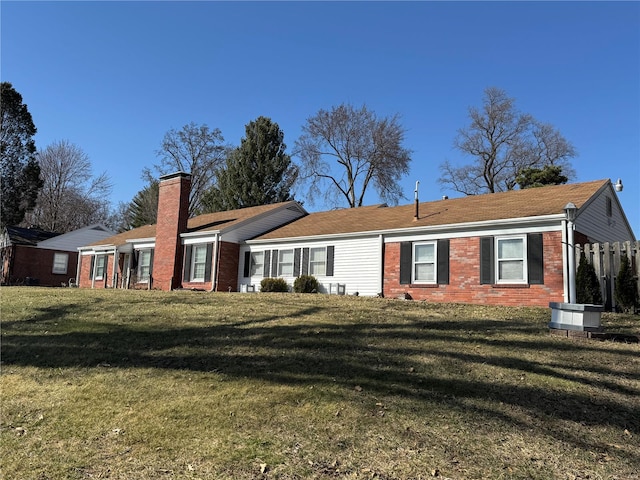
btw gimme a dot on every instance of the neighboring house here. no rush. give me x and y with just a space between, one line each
198 253
36 257
503 248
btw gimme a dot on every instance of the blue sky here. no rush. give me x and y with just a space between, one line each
114 77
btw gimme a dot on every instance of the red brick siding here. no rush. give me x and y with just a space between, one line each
173 213
107 279
228 263
37 263
464 277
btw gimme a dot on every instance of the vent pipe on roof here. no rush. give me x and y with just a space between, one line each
416 216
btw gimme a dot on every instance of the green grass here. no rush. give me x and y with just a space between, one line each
152 385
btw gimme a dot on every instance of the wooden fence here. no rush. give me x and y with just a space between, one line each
605 258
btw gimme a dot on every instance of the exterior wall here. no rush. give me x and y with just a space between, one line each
173 213
357 264
595 222
35 263
228 260
464 277
85 280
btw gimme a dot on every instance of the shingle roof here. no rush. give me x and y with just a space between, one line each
212 222
28 236
477 208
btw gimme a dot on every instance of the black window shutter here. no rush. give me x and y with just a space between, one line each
305 261
151 262
405 263
535 262
296 262
247 264
274 263
486 260
207 265
330 255
267 263
186 271
443 262
92 258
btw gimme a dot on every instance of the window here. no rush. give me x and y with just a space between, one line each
317 261
101 261
198 263
144 265
424 263
60 262
511 260
257 264
285 263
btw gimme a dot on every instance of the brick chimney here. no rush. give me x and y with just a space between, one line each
173 213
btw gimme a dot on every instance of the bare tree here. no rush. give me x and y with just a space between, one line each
71 197
503 142
194 149
344 151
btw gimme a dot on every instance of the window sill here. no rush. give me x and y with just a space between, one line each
510 285
424 285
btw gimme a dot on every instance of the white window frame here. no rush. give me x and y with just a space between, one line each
141 265
414 263
203 263
288 265
57 266
101 266
522 259
257 268
318 268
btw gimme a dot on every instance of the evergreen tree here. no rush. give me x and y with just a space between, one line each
19 169
626 286
587 285
258 172
539 177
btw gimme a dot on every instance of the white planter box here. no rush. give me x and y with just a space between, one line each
576 316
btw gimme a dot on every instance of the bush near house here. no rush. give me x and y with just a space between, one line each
626 291
305 284
274 285
587 285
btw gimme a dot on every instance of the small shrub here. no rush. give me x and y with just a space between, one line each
587 285
274 285
305 284
626 286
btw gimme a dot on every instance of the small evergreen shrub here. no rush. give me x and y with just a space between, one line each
305 284
274 285
587 285
626 286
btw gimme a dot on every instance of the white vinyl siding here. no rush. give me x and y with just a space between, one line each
424 263
60 263
511 259
357 263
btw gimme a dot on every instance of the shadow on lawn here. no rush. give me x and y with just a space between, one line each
378 356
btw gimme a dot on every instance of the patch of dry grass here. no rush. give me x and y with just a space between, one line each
146 385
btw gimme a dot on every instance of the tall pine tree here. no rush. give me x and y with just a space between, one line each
258 172
19 168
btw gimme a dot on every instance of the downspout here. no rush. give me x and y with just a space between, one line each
216 264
